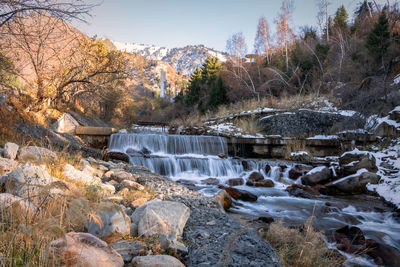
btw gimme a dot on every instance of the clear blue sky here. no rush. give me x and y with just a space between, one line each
176 23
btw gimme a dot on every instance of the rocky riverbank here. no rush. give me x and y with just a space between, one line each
115 214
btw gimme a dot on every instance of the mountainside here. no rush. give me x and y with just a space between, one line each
184 59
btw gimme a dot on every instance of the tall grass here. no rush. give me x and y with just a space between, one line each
303 247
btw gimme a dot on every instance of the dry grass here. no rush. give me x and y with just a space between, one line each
301 247
248 126
295 145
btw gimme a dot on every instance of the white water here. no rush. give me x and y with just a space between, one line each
195 158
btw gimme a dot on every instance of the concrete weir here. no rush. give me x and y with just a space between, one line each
97 137
281 147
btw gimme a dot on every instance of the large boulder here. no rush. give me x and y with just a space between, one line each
159 218
355 160
8 200
83 249
240 194
306 122
353 184
36 154
110 224
27 180
10 150
156 261
84 177
129 249
318 175
7 165
254 177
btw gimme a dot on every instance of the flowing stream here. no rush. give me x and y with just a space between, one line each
195 158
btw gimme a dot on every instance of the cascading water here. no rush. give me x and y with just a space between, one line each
196 158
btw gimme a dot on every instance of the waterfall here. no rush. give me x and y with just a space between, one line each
179 156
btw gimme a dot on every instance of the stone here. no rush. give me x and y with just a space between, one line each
264 183
350 239
26 181
78 176
91 171
36 154
28 208
156 261
83 249
296 172
107 189
159 217
366 161
355 155
302 191
353 184
138 202
84 162
224 199
10 150
131 185
7 165
186 182
383 255
210 181
129 249
111 224
254 177
235 182
222 156
318 175
240 194
116 156
267 169
119 176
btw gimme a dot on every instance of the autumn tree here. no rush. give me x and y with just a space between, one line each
262 39
284 32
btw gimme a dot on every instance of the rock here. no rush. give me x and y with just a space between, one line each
366 161
355 155
350 239
91 171
145 151
128 249
36 154
26 181
306 122
115 184
266 219
267 169
119 176
240 194
235 181
171 244
300 156
7 165
84 162
156 261
111 225
254 177
298 171
75 175
210 181
116 156
186 182
159 217
222 156
83 249
264 183
131 185
302 191
383 254
107 189
353 184
318 175
224 199
10 150
8 200
139 202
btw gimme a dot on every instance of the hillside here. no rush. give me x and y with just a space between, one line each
185 59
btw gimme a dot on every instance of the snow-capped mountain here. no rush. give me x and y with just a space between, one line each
185 59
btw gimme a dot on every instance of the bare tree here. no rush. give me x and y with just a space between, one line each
65 10
262 39
237 49
284 32
323 16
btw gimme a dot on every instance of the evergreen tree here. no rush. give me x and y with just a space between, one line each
217 93
193 94
378 40
341 17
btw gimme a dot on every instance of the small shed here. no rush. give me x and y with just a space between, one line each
66 124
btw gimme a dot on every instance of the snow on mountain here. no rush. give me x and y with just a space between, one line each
185 59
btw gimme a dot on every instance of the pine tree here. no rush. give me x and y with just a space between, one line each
194 89
341 17
378 40
217 93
